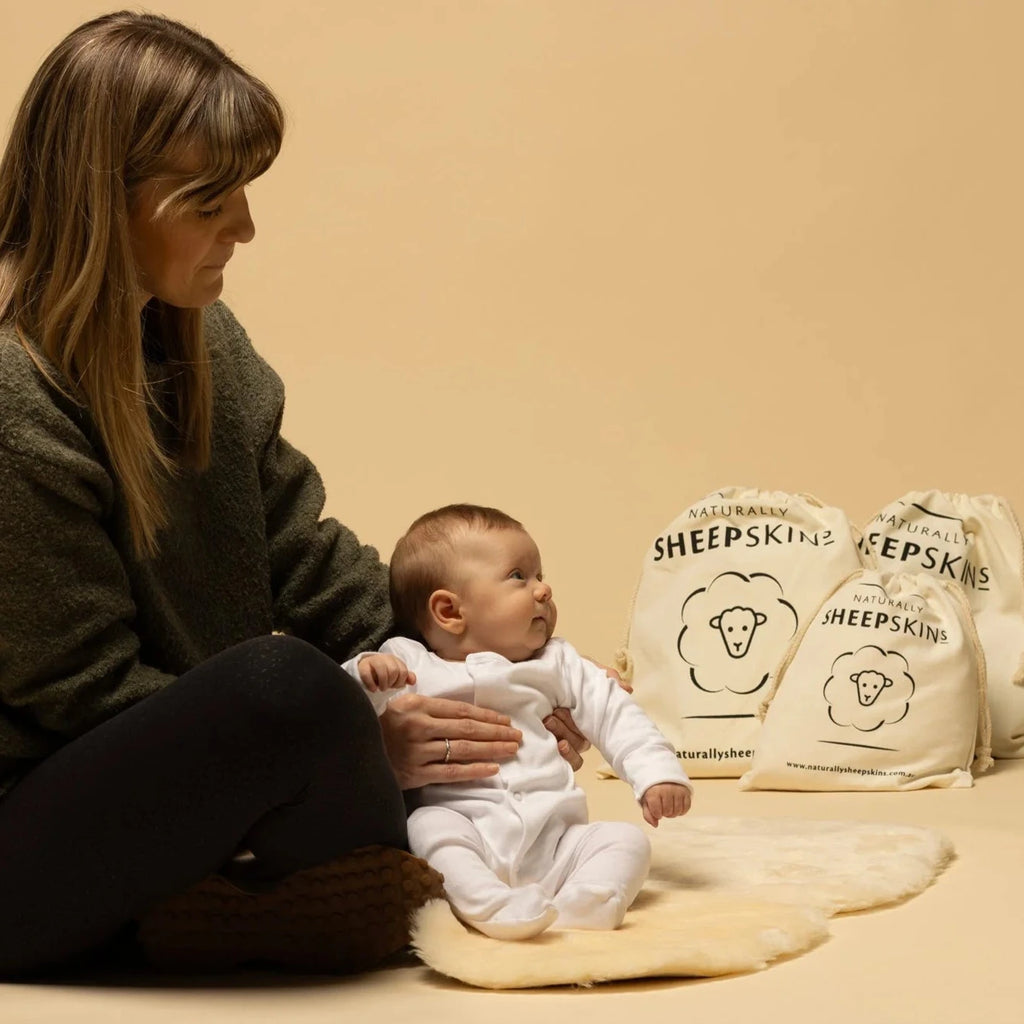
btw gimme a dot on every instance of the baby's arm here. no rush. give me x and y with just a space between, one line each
626 736
665 800
379 672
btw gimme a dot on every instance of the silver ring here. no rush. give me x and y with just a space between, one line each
447 750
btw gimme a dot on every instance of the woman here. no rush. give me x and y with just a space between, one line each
155 529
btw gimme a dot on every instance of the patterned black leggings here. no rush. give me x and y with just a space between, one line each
268 746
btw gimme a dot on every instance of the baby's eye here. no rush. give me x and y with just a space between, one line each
516 574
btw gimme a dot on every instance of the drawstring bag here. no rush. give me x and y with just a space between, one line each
885 689
722 592
977 542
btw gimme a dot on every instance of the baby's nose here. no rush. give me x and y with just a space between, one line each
543 592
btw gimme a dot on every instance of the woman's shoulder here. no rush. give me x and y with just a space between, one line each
37 415
229 346
221 325
17 367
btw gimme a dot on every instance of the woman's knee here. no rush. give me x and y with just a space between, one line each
287 686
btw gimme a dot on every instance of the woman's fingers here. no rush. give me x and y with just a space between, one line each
471 721
612 673
463 735
560 722
571 755
452 773
415 729
465 751
454 751
571 742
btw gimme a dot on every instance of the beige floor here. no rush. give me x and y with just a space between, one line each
952 955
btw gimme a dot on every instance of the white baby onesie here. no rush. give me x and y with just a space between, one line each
515 848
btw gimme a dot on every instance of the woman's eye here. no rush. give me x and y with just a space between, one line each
210 214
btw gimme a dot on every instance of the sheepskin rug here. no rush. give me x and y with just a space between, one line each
724 896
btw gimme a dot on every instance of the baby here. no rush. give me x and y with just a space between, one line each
516 849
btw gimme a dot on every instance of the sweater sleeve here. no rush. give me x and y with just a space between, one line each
69 658
630 742
327 587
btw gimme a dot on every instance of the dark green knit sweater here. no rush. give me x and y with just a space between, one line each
86 629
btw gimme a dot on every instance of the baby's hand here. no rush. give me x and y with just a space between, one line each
665 800
384 672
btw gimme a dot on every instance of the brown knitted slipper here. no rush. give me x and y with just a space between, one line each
343 916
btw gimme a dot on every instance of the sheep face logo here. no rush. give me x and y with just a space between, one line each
737 626
869 688
734 630
869 685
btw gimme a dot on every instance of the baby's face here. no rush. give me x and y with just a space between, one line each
506 604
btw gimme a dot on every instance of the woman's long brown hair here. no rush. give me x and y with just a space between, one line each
117 102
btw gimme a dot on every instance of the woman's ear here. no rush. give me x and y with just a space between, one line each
446 611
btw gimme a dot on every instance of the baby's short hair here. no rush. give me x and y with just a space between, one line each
421 562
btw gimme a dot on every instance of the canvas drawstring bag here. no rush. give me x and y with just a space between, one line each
977 542
723 590
884 689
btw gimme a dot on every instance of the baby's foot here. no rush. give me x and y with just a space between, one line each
585 905
525 913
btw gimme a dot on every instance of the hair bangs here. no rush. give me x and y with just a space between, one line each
235 133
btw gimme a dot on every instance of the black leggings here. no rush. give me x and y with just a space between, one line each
269 746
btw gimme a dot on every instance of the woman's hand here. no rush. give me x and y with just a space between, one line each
572 744
432 739
612 673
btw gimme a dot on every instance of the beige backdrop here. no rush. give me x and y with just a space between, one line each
588 260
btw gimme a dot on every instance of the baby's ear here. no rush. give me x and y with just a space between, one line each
445 610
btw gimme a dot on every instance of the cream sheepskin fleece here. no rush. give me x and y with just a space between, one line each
725 895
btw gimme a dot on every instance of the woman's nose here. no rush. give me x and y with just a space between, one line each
239 226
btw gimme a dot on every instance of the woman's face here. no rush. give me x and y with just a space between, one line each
181 259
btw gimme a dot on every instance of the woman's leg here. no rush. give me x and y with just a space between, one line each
267 746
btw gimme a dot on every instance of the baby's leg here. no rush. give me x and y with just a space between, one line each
451 845
609 862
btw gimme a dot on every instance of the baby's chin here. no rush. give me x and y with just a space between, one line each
525 653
